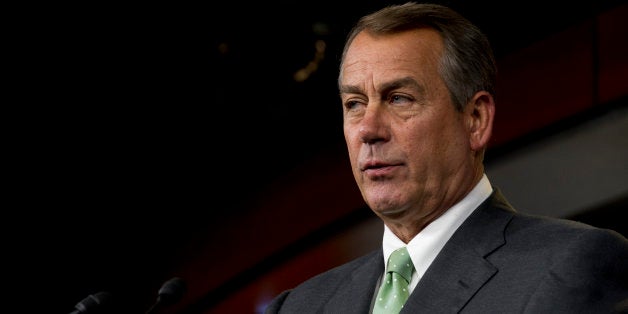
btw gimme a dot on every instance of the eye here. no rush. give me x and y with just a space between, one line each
352 104
400 99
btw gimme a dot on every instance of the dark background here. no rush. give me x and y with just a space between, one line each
138 128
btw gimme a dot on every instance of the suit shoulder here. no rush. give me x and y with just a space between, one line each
561 227
334 275
312 293
561 238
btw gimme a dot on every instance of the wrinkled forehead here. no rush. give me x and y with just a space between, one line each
402 53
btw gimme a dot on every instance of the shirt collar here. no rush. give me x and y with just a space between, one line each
424 247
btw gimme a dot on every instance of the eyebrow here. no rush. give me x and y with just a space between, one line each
349 89
386 87
402 82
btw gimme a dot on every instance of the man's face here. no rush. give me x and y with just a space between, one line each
407 143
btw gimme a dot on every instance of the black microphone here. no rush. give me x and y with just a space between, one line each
170 293
93 303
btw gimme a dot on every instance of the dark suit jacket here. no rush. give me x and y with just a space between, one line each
498 261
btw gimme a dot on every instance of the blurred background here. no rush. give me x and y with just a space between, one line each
205 142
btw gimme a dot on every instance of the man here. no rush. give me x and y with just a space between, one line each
417 83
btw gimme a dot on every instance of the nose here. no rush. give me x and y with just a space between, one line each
373 126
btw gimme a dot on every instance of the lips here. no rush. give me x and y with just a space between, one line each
374 165
378 168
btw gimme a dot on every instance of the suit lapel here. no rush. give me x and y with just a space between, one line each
461 269
355 295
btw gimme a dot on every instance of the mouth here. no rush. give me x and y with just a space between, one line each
378 168
374 166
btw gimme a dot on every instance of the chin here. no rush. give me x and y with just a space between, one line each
388 211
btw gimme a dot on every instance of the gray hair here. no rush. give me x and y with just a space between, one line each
467 65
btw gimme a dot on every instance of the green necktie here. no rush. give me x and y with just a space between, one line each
393 292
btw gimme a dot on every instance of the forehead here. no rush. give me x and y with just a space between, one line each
409 51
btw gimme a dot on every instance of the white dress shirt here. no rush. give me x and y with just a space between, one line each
424 247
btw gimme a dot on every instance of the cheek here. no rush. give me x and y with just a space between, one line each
353 144
434 142
453 146
350 130
420 136
353 148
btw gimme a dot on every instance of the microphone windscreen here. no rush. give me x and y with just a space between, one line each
172 291
94 303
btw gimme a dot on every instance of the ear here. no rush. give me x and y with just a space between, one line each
480 112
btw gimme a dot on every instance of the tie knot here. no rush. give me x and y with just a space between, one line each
400 263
